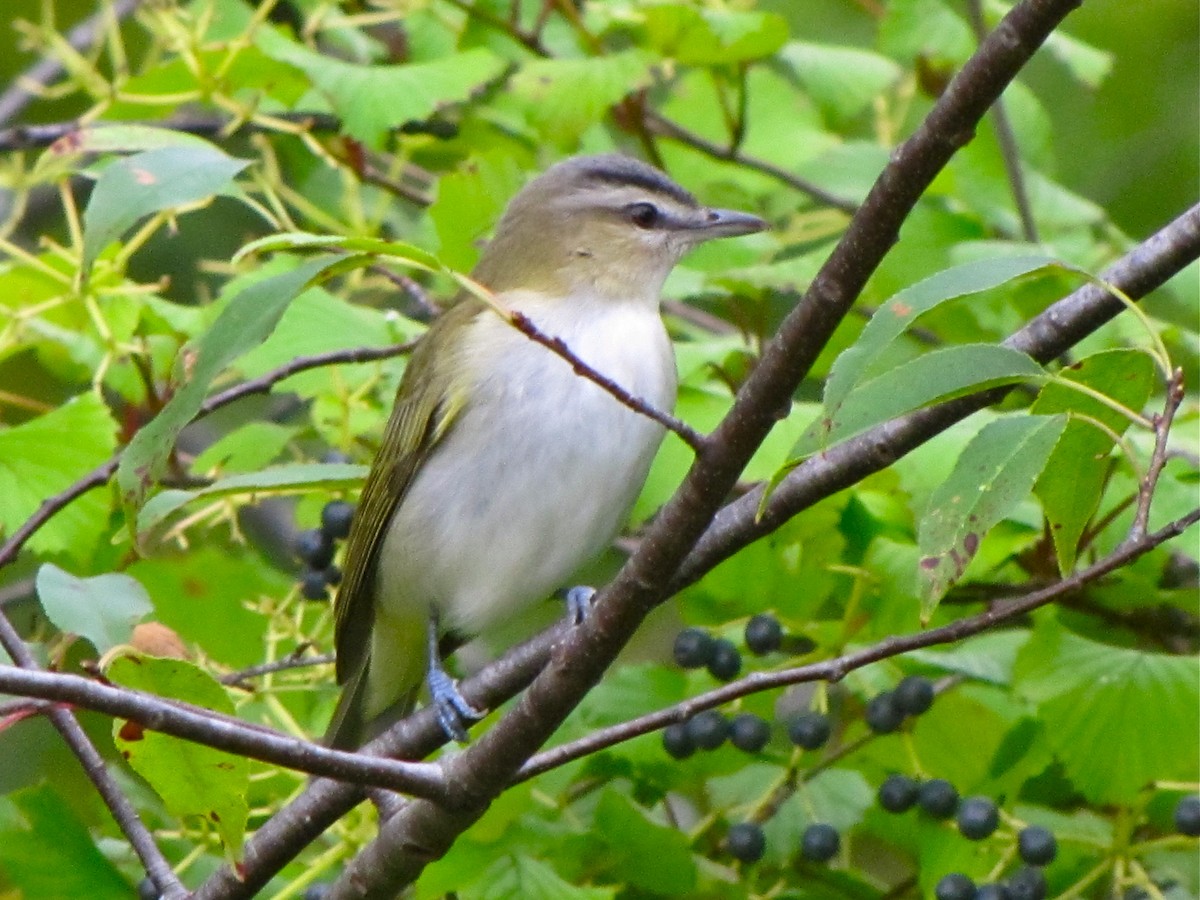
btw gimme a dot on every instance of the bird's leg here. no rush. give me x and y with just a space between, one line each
578 600
453 711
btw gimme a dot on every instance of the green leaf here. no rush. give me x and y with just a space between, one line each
81 434
373 99
514 877
566 96
652 856
937 375
243 324
985 657
1090 65
252 446
47 853
843 81
147 182
193 780
994 473
1117 718
103 608
287 479
1073 482
709 37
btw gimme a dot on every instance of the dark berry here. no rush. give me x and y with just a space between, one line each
147 890
313 585
314 548
884 713
1187 816
317 892
991 892
708 729
1037 845
333 576
978 818
955 886
1027 884
749 732
335 456
898 793
820 842
764 635
335 518
914 695
677 741
746 842
810 730
725 661
938 798
693 648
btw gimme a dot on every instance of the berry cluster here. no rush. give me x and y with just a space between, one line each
316 546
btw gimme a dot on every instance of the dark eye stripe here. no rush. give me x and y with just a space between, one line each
623 172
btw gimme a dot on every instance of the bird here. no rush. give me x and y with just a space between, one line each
501 470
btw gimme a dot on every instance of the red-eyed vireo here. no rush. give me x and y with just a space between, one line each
502 471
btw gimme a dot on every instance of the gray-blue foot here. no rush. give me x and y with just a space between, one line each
579 602
454 713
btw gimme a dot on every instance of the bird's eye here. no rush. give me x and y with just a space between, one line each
643 215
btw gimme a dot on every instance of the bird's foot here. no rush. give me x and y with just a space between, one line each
579 602
454 713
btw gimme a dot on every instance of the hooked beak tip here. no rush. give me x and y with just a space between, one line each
720 223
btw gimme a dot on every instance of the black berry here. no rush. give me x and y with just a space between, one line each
955 886
746 842
725 661
938 798
914 695
991 892
314 548
884 713
677 741
764 634
977 818
317 892
1037 845
1027 884
898 793
333 576
335 519
820 843
708 729
749 732
313 585
147 890
693 648
810 730
1187 816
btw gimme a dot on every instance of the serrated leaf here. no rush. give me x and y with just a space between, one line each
103 608
1072 484
709 37
287 479
243 324
520 877
937 375
1117 718
841 80
653 857
566 96
192 779
147 182
373 99
995 472
82 435
49 852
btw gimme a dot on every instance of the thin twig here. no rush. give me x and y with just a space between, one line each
294 661
837 669
559 347
1007 139
1158 459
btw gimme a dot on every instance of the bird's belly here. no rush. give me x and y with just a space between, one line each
533 481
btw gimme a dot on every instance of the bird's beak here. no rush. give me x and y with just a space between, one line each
722 223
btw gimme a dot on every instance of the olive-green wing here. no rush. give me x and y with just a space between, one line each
425 409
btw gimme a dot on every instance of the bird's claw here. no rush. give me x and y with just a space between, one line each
454 713
579 602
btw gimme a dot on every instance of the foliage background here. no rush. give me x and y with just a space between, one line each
1111 154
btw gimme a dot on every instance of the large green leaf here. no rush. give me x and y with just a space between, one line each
520 876
1073 482
103 608
373 99
654 857
48 854
136 186
42 457
566 96
843 81
1118 718
192 779
243 324
995 472
709 37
